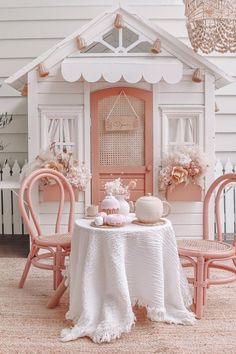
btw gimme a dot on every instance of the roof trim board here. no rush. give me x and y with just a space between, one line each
103 23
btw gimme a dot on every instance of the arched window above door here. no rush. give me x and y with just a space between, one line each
119 41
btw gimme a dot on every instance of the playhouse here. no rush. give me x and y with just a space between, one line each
121 92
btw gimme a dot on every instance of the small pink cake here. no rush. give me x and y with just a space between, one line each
110 205
115 220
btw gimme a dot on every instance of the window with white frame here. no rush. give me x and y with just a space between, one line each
63 126
122 41
181 126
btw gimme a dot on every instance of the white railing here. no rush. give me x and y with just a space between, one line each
10 220
228 200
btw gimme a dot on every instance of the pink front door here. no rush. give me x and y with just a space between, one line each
122 139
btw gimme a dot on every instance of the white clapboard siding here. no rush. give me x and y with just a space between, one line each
49 87
13 142
225 141
227 104
224 123
86 10
17 126
60 99
16 105
228 90
188 231
44 29
30 48
181 87
9 66
225 63
181 98
8 91
187 219
50 219
48 214
180 219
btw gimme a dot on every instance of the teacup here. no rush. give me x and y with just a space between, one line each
92 210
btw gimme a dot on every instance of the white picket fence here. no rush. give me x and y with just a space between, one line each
10 220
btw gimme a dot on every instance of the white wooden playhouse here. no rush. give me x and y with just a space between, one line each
121 61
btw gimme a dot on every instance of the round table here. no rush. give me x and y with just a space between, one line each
112 269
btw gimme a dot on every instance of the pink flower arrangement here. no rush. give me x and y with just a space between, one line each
77 174
185 165
117 187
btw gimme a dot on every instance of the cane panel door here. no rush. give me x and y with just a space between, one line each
122 139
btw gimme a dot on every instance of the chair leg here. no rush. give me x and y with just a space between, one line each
55 299
27 267
58 265
204 296
200 284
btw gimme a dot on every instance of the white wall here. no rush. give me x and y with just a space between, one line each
27 28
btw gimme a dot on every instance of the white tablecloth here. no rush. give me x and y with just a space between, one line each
113 269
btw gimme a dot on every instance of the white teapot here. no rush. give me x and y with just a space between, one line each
149 209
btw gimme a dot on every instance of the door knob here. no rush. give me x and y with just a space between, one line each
148 168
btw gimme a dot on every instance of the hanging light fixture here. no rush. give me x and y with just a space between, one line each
211 25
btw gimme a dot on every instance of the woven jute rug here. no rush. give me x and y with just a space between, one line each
27 326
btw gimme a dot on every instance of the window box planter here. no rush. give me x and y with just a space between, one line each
50 193
185 193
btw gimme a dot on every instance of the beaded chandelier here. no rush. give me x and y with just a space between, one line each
211 25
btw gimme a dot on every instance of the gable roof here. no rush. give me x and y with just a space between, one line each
104 23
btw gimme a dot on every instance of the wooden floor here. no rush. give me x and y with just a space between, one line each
16 246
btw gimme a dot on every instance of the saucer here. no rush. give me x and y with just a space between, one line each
158 223
105 226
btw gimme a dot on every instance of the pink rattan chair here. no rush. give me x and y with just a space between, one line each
203 255
56 246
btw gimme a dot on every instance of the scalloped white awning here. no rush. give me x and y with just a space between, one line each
132 70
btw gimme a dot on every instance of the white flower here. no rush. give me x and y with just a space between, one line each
191 159
184 159
77 174
116 187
